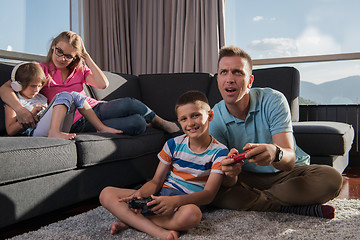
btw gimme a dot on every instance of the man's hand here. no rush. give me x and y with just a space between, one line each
25 117
264 154
230 169
261 154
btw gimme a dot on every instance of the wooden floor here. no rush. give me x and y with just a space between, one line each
351 184
350 190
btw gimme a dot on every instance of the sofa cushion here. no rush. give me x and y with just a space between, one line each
324 138
120 85
160 91
97 148
28 157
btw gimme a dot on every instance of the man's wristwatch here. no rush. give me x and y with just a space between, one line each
279 154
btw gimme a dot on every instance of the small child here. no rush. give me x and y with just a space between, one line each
55 120
188 175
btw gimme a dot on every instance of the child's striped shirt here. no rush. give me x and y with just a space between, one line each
189 171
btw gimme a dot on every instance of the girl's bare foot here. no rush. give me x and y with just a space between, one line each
106 129
118 227
170 127
165 125
57 134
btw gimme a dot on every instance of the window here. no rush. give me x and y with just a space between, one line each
29 26
281 28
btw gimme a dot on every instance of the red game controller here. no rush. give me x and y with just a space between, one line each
238 157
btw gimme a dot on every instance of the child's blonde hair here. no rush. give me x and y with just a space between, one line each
193 97
26 72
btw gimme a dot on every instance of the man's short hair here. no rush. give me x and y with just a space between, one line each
193 97
232 51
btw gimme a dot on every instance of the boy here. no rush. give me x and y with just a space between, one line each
27 79
189 174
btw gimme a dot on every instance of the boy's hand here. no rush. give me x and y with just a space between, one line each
127 199
163 205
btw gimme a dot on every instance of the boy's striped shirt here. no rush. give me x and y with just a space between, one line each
189 171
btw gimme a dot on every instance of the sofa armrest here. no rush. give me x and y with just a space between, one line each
324 138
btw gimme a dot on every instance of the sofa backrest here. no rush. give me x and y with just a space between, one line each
160 91
5 75
120 85
283 79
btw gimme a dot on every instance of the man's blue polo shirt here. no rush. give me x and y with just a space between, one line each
269 114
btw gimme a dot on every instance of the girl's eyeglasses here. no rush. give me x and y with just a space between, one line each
60 53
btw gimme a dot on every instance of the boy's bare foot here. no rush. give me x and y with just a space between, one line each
118 227
168 235
172 235
57 134
107 129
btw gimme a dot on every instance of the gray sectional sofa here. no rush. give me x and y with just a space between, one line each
39 175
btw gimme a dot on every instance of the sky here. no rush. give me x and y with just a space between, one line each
288 28
264 28
30 25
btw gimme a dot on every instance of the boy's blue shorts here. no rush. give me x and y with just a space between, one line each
163 192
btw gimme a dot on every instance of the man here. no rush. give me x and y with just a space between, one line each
276 175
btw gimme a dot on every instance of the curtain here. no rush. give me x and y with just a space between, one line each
154 36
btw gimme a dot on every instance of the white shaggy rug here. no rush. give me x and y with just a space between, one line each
219 224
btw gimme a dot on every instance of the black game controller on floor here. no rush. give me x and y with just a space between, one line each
137 203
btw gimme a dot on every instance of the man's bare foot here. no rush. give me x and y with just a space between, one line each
57 134
118 227
106 129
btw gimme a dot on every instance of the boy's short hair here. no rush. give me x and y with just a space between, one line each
193 97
